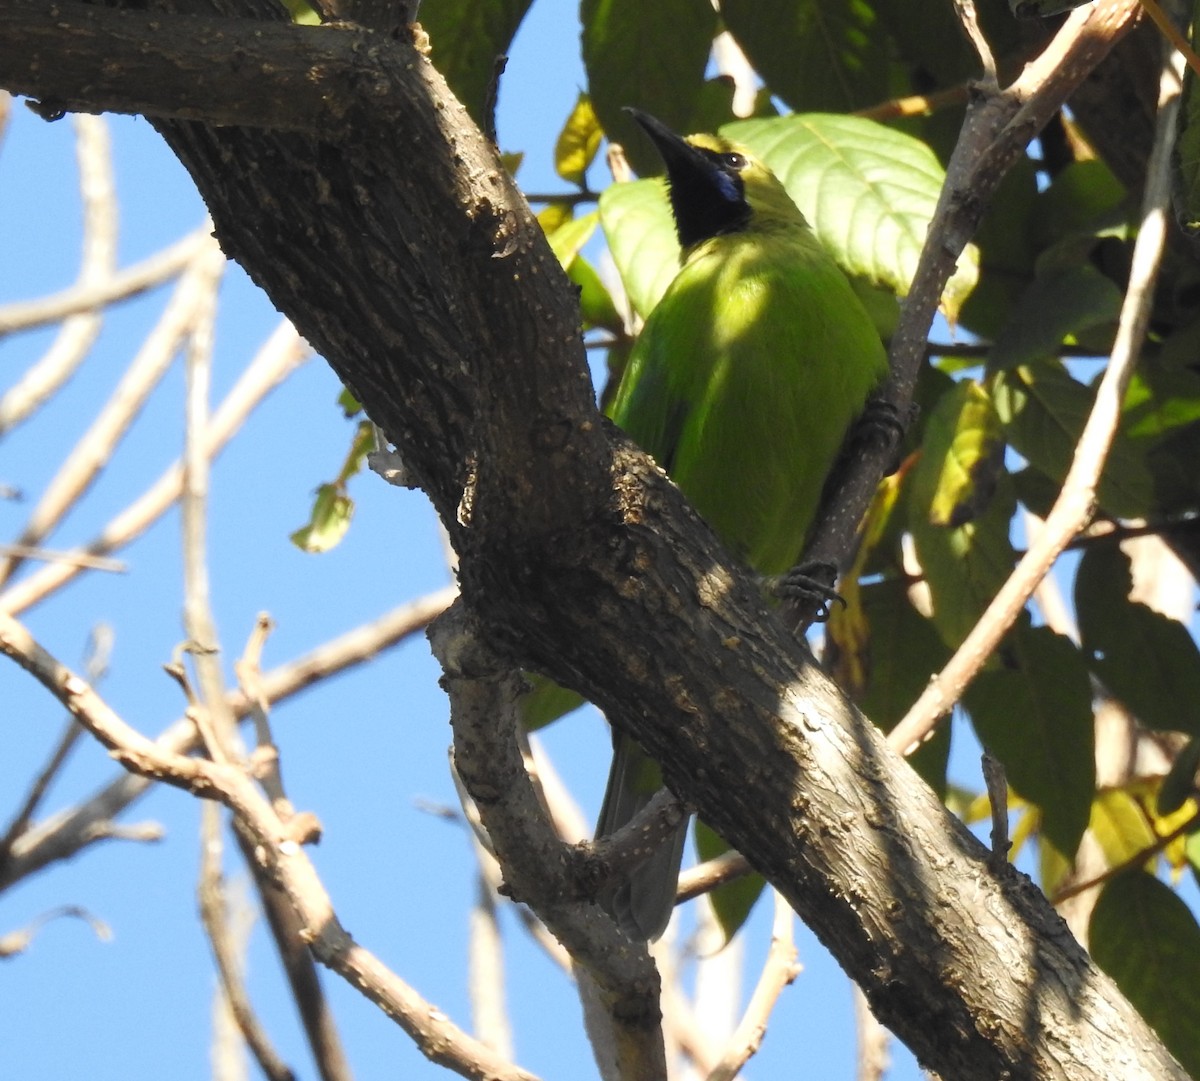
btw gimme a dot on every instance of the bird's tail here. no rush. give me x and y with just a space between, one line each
641 904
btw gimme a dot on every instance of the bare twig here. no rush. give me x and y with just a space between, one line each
16 942
42 380
220 727
265 759
779 971
75 559
73 829
281 857
485 959
85 460
707 876
95 665
282 354
199 625
970 23
126 284
1074 505
873 1040
997 789
213 915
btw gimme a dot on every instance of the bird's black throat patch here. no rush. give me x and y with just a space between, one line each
707 201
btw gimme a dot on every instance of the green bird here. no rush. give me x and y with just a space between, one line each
743 386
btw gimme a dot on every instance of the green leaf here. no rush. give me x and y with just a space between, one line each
732 901
1146 938
1007 252
1044 411
959 512
568 239
1055 307
641 237
331 514
973 450
1144 658
628 62
1035 715
1159 400
868 191
931 40
1120 826
595 302
1081 199
815 54
905 650
466 37
577 142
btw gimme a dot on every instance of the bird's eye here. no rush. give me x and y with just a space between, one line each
734 161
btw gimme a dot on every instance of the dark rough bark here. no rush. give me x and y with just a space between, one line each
402 251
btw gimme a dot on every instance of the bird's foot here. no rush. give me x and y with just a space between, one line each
882 424
810 587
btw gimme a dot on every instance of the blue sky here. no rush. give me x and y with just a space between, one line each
363 751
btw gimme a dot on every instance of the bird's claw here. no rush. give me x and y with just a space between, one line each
810 586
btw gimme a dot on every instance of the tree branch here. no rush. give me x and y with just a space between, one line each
277 853
402 251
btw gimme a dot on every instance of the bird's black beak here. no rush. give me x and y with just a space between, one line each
707 196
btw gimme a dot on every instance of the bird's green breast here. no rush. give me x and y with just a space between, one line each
745 380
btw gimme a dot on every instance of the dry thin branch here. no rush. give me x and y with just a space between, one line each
42 380
970 23
320 1028
95 665
95 447
126 284
217 723
780 970
265 758
280 355
707 876
213 915
223 744
75 559
281 857
873 1041
485 959
69 831
1073 507
15 942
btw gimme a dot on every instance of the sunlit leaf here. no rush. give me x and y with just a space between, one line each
868 191
960 517
331 514
577 142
